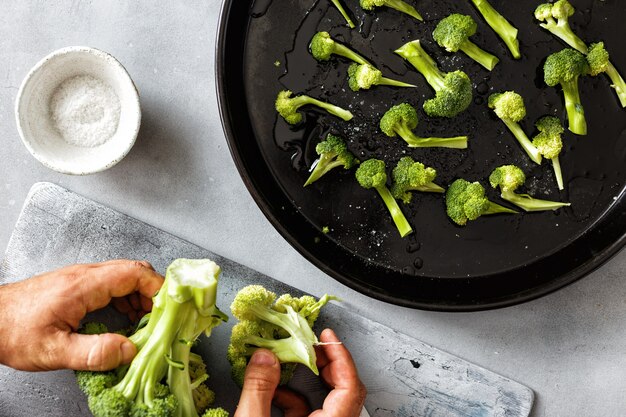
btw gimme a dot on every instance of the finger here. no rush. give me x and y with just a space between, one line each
292 404
121 304
146 303
96 352
259 383
343 373
119 262
133 299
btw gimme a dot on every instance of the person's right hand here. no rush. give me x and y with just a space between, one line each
337 369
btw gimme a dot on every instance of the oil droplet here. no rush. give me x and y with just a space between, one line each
413 247
418 263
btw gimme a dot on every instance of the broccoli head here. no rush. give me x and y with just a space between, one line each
505 30
323 46
371 174
409 175
598 59
215 412
550 144
333 153
401 119
467 201
288 106
398 5
564 68
364 76
453 33
509 178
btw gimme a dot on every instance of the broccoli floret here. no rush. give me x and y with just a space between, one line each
364 76
509 107
453 90
401 119
555 19
183 309
509 178
283 328
466 201
288 106
341 9
505 30
333 153
598 59
409 176
371 174
453 33
399 5
564 68
550 144
322 47
216 412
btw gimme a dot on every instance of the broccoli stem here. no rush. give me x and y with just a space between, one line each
396 213
564 32
403 7
393 83
429 187
339 7
495 208
458 142
531 150
330 108
417 56
178 379
575 110
321 166
618 83
479 55
506 31
344 51
556 164
528 203
286 350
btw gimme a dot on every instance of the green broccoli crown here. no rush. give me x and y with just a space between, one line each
335 147
454 30
250 298
287 107
598 58
466 201
363 76
409 175
371 4
508 105
550 125
399 116
563 66
453 98
507 177
562 10
371 174
109 403
548 141
322 46
215 412
543 12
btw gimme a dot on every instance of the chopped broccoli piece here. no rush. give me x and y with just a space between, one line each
341 9
466 201
505 30
409 176
509 178
216 412
322 47
371 174
333 153
399 5
509 107
282 326
183 309
598 59
550 144
401 119
288 106
364 76
564 68
453 33
555 19
453 90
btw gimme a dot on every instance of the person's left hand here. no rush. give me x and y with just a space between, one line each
39 316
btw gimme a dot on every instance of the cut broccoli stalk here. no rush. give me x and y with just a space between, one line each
466 201
398 5
371 174
288 106
505 30
401 119
550 144
364 76
343 12
453 33
333 153
409 175
322 47
618 83
511 177
453 90
509 107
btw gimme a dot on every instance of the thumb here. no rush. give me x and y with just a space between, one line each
259 383
98 352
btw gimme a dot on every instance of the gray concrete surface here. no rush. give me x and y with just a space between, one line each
569 347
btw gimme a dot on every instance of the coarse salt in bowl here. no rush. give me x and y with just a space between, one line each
78 111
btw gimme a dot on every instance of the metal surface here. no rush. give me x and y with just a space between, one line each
404 376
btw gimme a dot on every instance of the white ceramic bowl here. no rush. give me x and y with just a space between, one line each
37 129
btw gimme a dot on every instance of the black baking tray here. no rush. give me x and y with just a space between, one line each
493 262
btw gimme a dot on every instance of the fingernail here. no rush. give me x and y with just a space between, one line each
128 351
263 357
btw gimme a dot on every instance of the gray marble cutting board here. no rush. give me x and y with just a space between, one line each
404 377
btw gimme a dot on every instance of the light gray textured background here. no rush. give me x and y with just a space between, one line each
569 347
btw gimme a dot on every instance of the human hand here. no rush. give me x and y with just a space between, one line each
337 369
39 316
